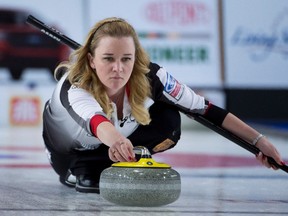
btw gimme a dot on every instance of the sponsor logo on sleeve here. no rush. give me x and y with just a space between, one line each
173 87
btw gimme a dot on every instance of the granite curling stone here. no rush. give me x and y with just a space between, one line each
142 183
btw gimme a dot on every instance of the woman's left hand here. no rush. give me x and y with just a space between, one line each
267 149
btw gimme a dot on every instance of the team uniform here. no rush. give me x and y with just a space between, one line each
71 116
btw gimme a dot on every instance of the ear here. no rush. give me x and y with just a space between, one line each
90 59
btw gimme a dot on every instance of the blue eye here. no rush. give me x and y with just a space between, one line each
108 58
126 59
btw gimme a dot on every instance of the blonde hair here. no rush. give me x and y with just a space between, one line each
83 76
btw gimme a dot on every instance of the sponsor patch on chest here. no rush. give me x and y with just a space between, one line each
173 87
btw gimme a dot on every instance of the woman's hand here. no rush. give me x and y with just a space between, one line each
267 149
121 150
244 131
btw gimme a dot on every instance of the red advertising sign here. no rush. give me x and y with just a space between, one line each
25 111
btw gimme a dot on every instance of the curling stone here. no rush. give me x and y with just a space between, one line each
142 183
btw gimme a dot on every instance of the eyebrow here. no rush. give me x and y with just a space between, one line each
111 54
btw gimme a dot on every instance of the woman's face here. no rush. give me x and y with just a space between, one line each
114 61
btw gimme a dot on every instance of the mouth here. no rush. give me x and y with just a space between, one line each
116 78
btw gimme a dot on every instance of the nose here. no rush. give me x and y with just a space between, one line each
117 66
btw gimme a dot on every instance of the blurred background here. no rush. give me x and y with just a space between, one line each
234 52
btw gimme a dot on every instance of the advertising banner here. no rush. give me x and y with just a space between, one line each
23 104
256 43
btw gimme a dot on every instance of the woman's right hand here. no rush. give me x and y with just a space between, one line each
121 150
